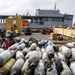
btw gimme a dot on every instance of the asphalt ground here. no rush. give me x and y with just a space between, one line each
38 36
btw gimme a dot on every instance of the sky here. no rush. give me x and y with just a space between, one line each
11 7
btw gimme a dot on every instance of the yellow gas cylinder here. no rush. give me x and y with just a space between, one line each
4 70
25 69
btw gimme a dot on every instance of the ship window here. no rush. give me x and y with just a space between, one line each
68 18
45 19
41 22
57 19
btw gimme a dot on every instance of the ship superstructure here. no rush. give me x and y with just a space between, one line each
46 18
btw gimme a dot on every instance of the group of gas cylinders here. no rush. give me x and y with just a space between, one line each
37 57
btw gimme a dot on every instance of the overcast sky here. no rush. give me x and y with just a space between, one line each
21 6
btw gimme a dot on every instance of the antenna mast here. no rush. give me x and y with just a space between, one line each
55 6
27 12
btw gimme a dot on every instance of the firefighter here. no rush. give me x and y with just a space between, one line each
8 40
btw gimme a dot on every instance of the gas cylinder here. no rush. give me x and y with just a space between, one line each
50 51
70 45
56 48
49 43
40 70
38 48
25 51
39 44
73 52
73 55
21 46
25 69
43 50
19 54
51 70
5 69
1 50
62 57
56 58
13 52
22 40
42 42
28 49
59 66
39 53
5 56
33 46
17 39
29 43
33 40
66 52
16 68
28 55
45 57
66 70
33 61
14 46
72 67
61 47
33 53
